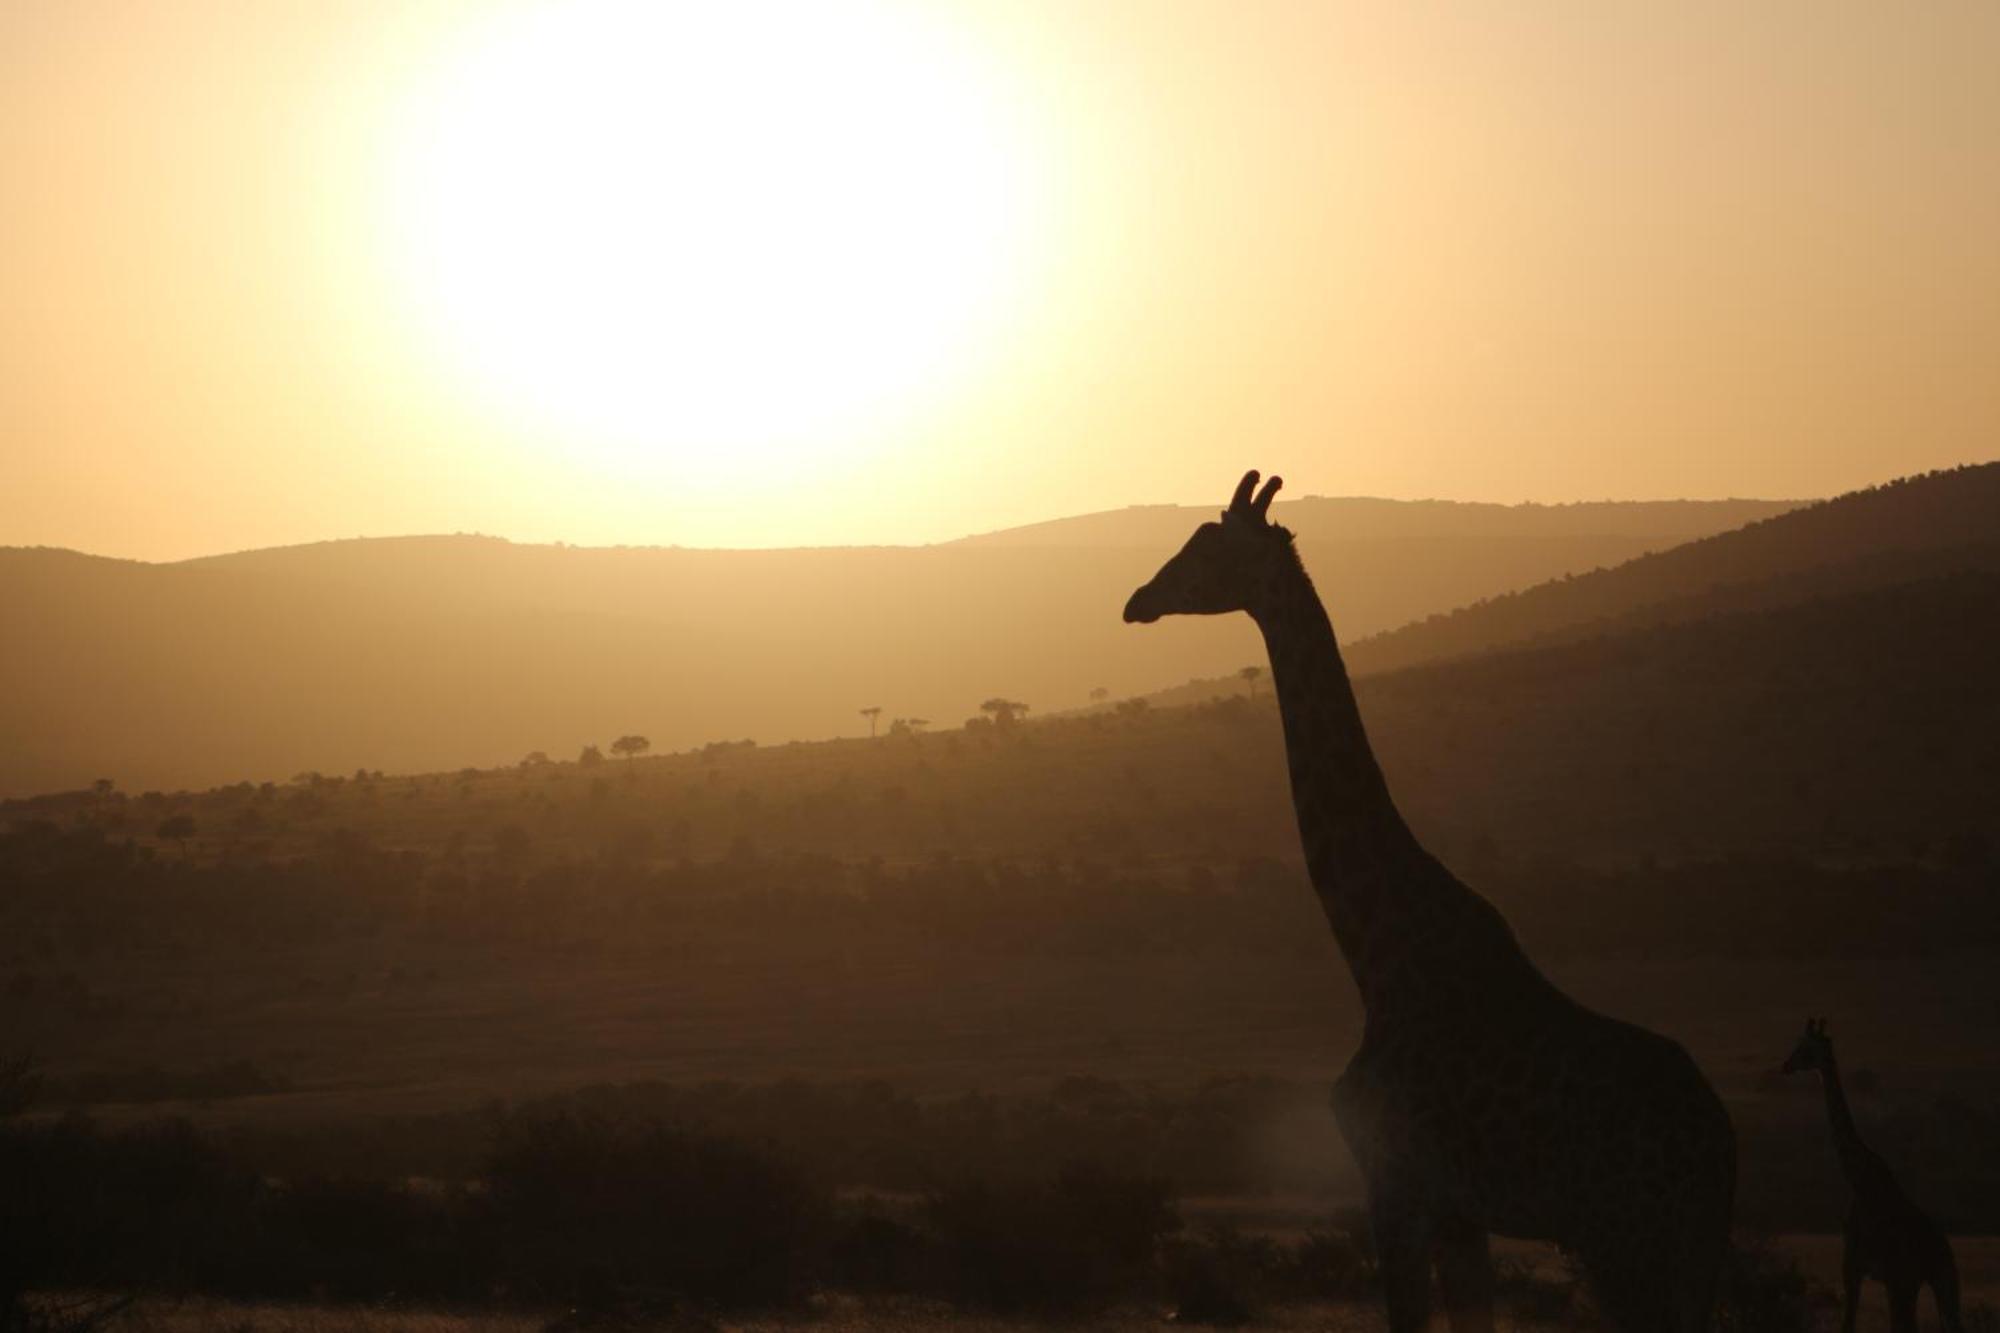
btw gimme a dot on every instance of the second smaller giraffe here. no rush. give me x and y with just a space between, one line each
1888 1237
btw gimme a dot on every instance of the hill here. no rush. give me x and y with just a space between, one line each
1907 529
432 652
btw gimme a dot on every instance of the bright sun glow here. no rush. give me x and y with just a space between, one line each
683 237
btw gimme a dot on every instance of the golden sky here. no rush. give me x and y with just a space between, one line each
858 271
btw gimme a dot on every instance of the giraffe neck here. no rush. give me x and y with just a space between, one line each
1854 1155
1355 840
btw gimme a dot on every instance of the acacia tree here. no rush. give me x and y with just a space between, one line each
1250 675
630 746
872 714
1005 712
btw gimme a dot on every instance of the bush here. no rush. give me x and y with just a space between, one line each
1073 1245
350 1239
1334 1263
877 1253
1218 1277
1536 1298
1765 1291
592 1214
157 1205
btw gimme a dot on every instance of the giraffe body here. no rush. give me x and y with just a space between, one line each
1483 1100
1888 1238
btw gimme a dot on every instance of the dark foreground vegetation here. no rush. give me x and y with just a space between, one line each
612 1219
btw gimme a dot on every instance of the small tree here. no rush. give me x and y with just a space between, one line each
1250 675
630 746
1099 695
1004 712
102 788
591 756
178 829
535 759
872 714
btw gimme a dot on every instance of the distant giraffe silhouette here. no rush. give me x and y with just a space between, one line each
1483 1100
1888 1237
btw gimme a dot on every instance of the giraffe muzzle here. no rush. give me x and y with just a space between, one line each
1139 609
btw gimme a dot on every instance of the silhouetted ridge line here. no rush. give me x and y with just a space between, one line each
1910 526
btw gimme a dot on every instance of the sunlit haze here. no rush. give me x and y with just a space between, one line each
864 271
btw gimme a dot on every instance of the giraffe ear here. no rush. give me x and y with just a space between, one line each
1262 504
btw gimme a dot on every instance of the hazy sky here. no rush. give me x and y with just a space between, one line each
854 271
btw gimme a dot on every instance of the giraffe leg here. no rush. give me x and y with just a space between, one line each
1465 1276
1903 1307
1944 1290
1850 1280
1403 1250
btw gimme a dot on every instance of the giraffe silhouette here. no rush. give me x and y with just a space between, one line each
1483 1101
1888 1237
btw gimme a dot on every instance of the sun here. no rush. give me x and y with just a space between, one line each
682 237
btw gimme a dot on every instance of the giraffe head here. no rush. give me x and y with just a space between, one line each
1226 566
1814 1051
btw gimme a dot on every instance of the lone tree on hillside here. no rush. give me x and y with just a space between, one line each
872 714
178 829
631 745
1005 712
1250 675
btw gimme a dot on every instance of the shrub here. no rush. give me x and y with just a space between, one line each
1068 1246
593 1214
1219 1276
1534 1297
1334 1263
874 1252
1764 1291
350 1239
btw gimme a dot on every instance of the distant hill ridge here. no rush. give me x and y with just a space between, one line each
1903 532
1319 518
1908 528
424 653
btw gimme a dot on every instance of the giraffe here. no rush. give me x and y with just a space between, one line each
1887 1237
1483 1101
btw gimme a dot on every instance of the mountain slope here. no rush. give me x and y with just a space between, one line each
1915 527
1867 717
